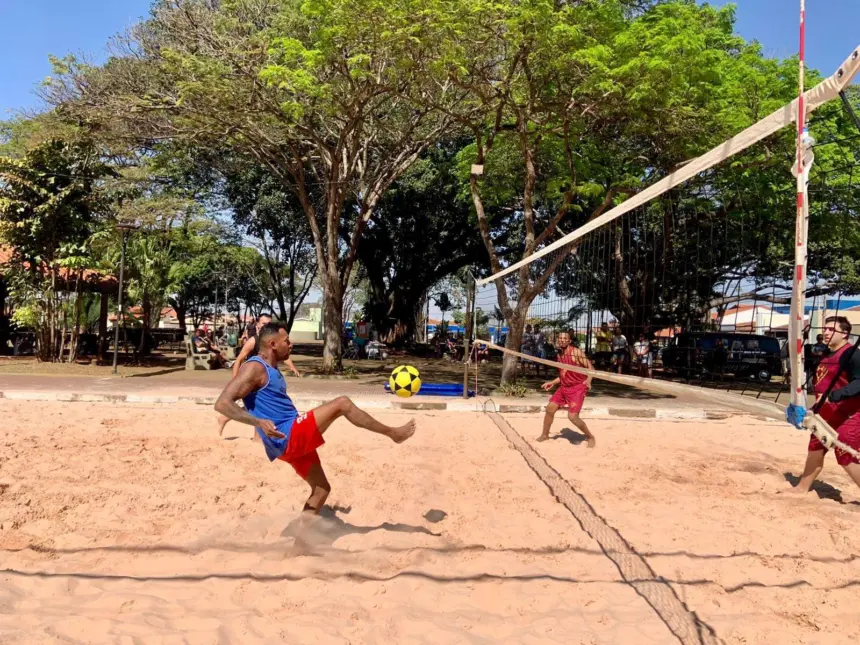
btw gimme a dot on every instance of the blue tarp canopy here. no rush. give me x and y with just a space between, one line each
832 304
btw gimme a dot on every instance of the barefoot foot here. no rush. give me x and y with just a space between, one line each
401 434
543 437
222 421
592 442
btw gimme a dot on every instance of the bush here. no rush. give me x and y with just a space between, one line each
513 389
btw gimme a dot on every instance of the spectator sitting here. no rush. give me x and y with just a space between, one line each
232 339
451 348
203 344
820 347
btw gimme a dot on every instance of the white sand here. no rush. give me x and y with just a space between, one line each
134 525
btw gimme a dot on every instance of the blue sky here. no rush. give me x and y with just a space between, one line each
32 29
831 28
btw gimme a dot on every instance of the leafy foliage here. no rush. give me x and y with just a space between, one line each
50 207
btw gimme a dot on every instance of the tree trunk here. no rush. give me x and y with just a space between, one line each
145 325
627 319
62 340
181 312
332 323
49 351
73 346
103 318
516 326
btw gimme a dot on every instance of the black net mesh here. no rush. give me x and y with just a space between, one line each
694 286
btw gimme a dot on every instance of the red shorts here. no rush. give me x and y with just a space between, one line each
847 430
305 438
571 397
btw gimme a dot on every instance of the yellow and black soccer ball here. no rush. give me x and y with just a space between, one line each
404 381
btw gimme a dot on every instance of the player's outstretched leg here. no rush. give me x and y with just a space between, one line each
344 407
548 417
579 423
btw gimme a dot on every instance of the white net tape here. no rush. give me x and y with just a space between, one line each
813 422
822 93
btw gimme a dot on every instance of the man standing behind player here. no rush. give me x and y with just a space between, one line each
573 388
841 367
249 347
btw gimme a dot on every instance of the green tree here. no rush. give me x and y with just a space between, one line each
423 234
275 225
575 105
323 92
193 274
443 302
50 208
651 270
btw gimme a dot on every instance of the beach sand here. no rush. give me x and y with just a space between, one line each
125 524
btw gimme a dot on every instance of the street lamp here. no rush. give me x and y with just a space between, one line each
125 228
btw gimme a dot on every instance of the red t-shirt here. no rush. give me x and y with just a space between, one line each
568 378
827 369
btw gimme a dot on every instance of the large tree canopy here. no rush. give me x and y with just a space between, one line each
574 107
424 233
51 204
322 92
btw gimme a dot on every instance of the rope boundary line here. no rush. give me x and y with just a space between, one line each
813 422
657 592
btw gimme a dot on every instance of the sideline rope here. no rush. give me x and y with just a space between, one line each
684 624
813 422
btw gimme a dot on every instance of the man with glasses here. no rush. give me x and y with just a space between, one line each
840 366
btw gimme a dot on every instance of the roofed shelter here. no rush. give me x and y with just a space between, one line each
92 282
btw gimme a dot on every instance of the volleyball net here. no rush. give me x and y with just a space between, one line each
686 286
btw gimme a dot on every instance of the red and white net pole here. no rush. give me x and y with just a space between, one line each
798 293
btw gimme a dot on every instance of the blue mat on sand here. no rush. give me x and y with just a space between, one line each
439 389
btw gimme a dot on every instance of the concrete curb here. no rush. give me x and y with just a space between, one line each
457 405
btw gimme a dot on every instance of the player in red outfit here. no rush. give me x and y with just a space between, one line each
573 387
842 409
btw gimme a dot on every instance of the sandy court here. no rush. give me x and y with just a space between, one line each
705 505
138 525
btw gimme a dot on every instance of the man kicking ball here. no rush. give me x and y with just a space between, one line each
573 388
286 435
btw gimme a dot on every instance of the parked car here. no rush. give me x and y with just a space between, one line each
743 355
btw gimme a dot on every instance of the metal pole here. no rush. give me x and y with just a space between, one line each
798 293
119 300
468 331
427 321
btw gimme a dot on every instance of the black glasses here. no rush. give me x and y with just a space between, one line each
835 331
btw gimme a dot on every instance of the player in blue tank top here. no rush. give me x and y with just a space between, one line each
286 435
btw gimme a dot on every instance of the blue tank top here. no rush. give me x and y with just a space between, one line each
272 402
